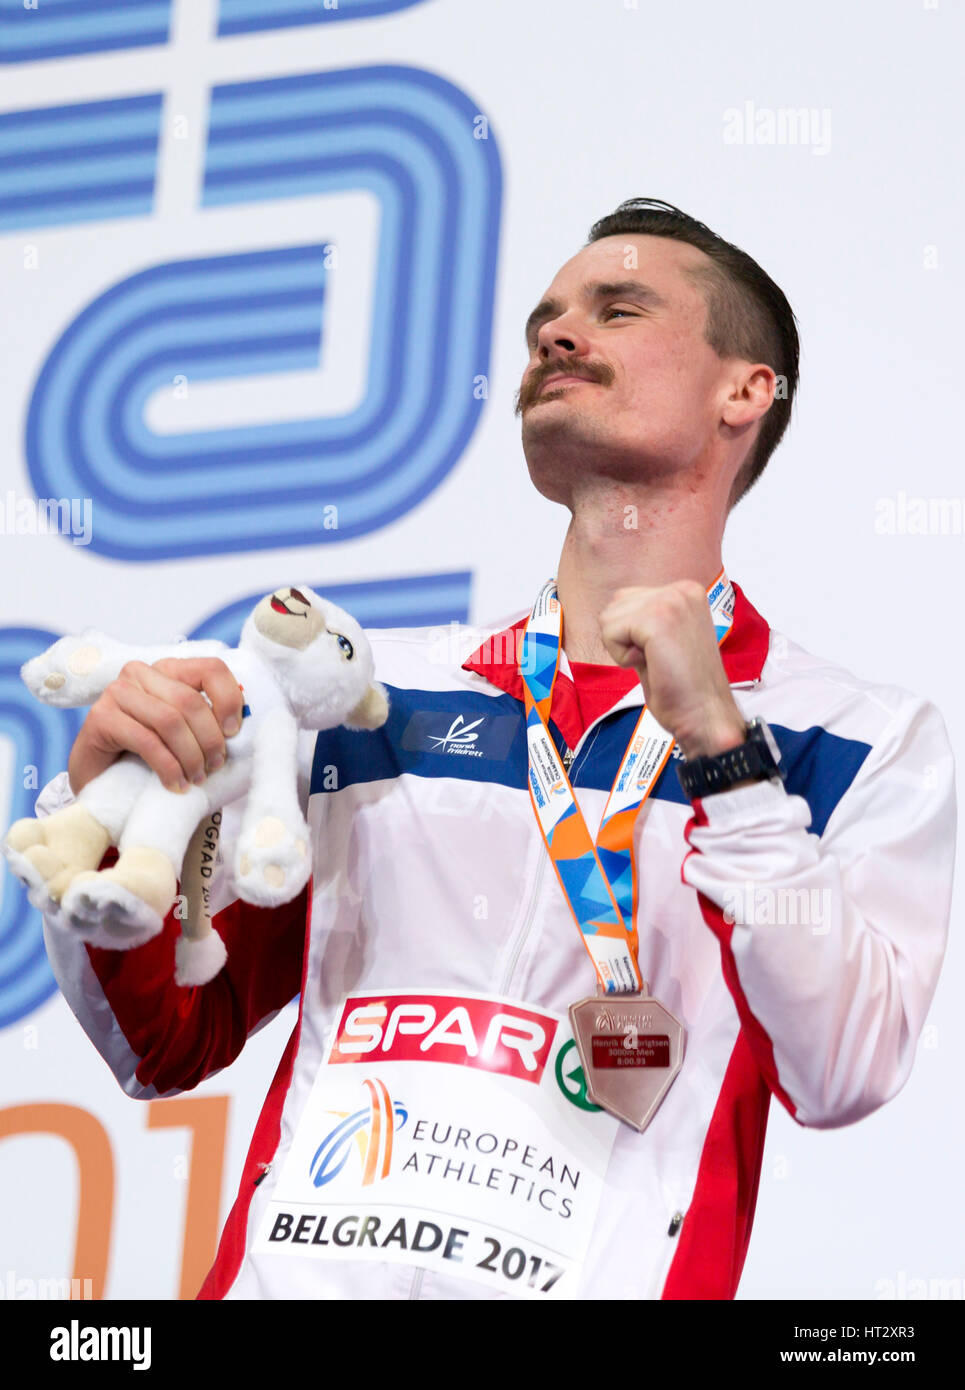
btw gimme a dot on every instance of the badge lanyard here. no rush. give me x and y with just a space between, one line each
599 878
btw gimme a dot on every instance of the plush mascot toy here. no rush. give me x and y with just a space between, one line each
302 663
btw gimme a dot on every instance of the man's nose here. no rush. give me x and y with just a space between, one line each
562 335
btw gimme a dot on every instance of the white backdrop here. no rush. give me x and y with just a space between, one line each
854 207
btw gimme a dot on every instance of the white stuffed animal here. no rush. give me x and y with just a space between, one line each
302 663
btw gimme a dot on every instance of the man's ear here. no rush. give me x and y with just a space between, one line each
372 710
750 397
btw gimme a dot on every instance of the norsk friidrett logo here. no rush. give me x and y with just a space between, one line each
369 1132
459 738
455 733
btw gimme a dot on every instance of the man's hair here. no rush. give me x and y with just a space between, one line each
748 316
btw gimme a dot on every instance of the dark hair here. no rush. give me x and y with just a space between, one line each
748 316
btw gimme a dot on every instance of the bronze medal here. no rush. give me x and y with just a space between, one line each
631 1049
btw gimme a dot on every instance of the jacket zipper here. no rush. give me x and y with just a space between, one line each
415 1288
569 755
527 922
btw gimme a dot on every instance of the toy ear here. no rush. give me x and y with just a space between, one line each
371 712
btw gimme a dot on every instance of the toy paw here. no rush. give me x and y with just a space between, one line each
47 855
105 913
20 847
272 864
65 674
33 864
124 906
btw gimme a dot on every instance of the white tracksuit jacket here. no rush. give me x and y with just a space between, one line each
427 1133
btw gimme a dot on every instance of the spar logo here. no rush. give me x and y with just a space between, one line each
369 1132
489 1034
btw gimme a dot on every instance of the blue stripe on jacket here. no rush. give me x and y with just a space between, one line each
481 738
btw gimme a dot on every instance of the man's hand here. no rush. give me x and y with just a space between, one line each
160 713
667 636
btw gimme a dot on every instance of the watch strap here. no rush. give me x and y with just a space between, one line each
757 759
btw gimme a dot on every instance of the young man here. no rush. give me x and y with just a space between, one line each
751 877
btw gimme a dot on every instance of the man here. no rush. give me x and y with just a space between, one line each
433 1128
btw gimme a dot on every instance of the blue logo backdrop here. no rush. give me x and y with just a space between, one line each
422 150
41 740
404 135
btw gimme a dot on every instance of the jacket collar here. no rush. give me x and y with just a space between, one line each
742 652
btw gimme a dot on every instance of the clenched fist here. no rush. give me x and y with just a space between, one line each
667 636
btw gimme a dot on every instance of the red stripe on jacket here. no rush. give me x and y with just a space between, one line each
180 1036
261 1152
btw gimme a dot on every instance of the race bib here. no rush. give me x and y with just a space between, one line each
451 1132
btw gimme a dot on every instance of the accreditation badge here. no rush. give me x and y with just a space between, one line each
451 1132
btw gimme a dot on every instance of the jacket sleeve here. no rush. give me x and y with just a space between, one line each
156 1037
831 946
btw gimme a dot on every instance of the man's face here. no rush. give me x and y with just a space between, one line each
620 381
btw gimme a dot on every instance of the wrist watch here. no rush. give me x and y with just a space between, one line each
757 759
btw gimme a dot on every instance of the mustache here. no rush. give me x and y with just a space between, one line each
597 372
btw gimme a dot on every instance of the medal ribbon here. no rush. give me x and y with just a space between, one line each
598 878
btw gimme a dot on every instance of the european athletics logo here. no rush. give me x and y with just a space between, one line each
372 1129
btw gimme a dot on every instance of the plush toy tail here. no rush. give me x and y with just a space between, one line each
200 953
198 960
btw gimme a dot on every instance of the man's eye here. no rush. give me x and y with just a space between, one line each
612 309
